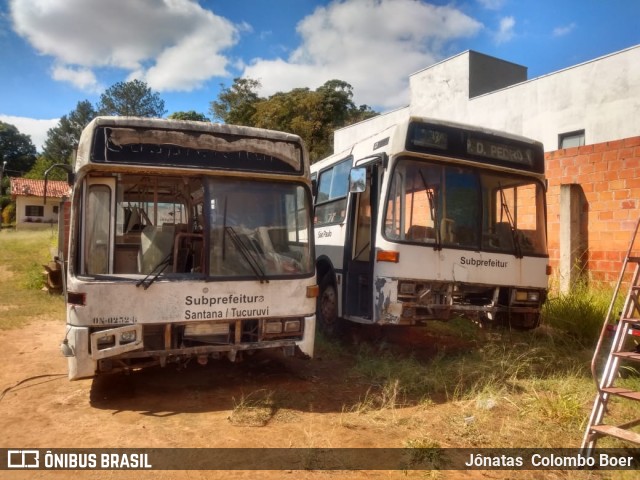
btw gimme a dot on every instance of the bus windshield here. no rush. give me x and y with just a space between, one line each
258 228
164 227
462 207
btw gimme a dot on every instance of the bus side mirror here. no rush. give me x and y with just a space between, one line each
357 180
314 187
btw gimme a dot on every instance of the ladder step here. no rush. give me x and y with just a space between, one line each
634 328
633 259
622 392
631 320
628 355
617 432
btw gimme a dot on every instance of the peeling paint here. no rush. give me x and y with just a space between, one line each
388 309
380 299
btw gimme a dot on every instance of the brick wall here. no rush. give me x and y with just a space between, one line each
609 176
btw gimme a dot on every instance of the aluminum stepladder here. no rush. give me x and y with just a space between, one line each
628 325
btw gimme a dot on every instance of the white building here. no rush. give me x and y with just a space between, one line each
31 210
593 102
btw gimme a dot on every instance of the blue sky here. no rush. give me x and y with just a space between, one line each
54 53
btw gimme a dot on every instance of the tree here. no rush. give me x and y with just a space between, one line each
132 98
16 149
236 104
42 165
311 114
297 111
190 115
63 139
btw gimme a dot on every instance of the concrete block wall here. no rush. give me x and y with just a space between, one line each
609 176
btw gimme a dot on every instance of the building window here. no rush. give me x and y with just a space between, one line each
571 139
55 209
34 211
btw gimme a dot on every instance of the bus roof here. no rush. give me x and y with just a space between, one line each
394 139
193 135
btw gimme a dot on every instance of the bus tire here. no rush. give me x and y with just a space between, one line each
519 321
526 321
327 308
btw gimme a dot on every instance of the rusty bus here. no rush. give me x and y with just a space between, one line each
186 240
425 219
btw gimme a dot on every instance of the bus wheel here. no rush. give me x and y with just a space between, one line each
327 310
525 321
519 321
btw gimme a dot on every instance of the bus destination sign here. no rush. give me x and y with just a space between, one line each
423 136
500 151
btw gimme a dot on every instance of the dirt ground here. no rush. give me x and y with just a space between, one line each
297 403
266 401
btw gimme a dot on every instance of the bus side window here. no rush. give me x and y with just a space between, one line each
331 200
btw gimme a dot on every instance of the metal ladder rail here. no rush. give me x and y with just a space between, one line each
610 370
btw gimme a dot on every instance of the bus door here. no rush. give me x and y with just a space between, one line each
98 204
360 246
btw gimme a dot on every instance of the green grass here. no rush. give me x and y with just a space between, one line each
581 313
499 364
509 389
22 256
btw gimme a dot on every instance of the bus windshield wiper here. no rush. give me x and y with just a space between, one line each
164 263
247 255
505 208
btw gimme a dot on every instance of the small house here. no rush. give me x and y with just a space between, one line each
31 209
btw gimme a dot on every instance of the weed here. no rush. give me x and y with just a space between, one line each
580 313
425 454
561 408
253 410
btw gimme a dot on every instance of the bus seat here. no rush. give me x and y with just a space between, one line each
156 245
273 239
420 232
134 220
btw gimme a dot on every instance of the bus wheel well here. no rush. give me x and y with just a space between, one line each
324 268
327 317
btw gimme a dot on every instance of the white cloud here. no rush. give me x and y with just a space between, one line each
36 129
171 44
372 44
80 77
506 30
564 30
492 4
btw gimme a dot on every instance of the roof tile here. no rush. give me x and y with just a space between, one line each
28 186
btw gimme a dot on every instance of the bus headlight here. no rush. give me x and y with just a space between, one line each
283 326
128 337
107 340
527 296
521 296
273 326
292 326
407 288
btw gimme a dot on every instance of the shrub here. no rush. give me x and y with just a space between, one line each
9 214
581 312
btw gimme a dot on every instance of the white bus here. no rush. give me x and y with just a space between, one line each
427 219
187 240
